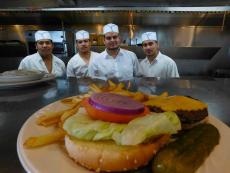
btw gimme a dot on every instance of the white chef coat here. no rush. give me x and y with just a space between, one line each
35 62
123 67
77 67
162 66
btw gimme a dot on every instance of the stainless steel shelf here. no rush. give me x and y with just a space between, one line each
123 9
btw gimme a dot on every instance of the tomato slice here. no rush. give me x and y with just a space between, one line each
109 116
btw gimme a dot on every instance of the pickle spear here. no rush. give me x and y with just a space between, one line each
188 152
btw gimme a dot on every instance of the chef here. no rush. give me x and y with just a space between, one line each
156 64
114 62
78 64
43 60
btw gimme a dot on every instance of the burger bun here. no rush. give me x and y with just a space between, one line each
107 156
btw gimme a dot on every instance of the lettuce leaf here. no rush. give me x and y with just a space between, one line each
83 127
148 127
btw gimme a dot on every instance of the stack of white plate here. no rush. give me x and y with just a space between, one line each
18 78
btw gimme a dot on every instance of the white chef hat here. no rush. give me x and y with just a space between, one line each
149 36
82 35
110 28
42 35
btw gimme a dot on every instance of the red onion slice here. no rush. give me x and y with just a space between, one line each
115 103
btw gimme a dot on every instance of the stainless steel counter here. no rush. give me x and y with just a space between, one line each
16 105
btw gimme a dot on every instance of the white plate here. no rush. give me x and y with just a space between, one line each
56 159
20 76
47 77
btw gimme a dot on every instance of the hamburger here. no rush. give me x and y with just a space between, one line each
114 133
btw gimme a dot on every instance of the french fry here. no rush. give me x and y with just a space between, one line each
76 100
67 101
111 84
95 88
120 87
69 113
86 95
164 94
123 93
129 85
38 141
49 118
139 96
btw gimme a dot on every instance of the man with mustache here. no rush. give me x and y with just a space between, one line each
114 62
78 64
43 60
156 64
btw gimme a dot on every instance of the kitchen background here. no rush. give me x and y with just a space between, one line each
195 34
